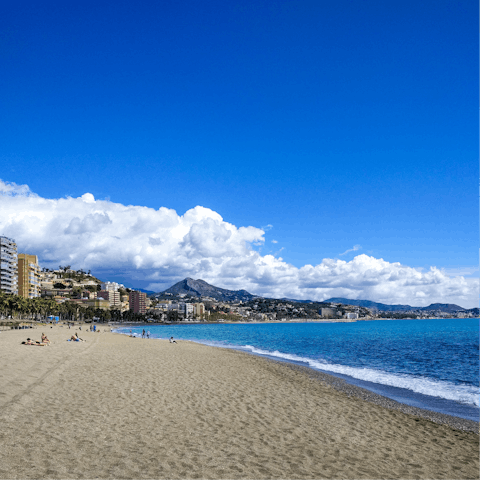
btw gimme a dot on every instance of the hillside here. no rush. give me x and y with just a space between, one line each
444 307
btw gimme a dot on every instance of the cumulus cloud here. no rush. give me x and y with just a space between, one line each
160 246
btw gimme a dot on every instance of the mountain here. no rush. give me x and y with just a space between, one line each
444 307
200 288
369 304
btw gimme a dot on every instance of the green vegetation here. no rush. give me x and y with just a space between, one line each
75 275
14 308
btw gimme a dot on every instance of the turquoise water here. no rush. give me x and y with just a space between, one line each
431 364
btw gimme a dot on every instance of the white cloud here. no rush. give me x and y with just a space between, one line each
274 241
464 271
162 247
354 249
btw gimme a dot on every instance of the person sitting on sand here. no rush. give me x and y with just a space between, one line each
171 340
76 338
45 339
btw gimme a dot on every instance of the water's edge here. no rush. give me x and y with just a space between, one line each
438 410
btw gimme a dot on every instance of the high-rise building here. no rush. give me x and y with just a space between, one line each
199 309
8 266
28 276
137 302
112 296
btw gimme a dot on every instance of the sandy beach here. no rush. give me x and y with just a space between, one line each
121 407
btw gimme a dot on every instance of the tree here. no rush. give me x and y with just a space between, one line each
172 316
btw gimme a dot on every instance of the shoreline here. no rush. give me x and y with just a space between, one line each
349 389
379 393
122 407
353 390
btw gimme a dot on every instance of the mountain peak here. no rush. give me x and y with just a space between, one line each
200 288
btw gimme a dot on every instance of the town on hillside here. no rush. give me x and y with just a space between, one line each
28 291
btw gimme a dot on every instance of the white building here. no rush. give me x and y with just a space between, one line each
111 286
8 266
186 308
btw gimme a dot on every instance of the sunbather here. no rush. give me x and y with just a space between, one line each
31 342
76 338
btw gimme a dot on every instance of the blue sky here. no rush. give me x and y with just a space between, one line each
326 124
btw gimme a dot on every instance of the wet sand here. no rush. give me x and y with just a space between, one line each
121 407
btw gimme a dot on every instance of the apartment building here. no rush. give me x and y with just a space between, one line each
29 283
113 296
137 301
97 303
8 266
199 309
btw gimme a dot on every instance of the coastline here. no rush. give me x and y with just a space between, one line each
122 407
414 394
350 388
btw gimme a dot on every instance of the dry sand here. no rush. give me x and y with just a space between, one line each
121 407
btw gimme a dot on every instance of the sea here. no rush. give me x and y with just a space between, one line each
431 364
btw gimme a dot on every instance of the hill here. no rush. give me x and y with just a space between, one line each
200 288
444 307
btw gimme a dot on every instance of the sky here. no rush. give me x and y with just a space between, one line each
305 149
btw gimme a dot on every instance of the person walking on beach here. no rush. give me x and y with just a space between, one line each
148 333
143 333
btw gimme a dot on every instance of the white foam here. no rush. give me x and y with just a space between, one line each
426 386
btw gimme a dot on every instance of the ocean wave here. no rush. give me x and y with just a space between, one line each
460 393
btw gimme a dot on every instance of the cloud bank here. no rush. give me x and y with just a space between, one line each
162 247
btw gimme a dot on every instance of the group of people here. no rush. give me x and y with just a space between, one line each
44 343
146 334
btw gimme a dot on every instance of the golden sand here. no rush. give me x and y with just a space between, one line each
121 407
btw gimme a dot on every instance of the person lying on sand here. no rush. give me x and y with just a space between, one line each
31 342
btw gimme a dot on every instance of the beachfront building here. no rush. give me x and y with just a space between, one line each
8 266
113 296
199 309
184 309
327 312
124 303
97 303
29 283
137 301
